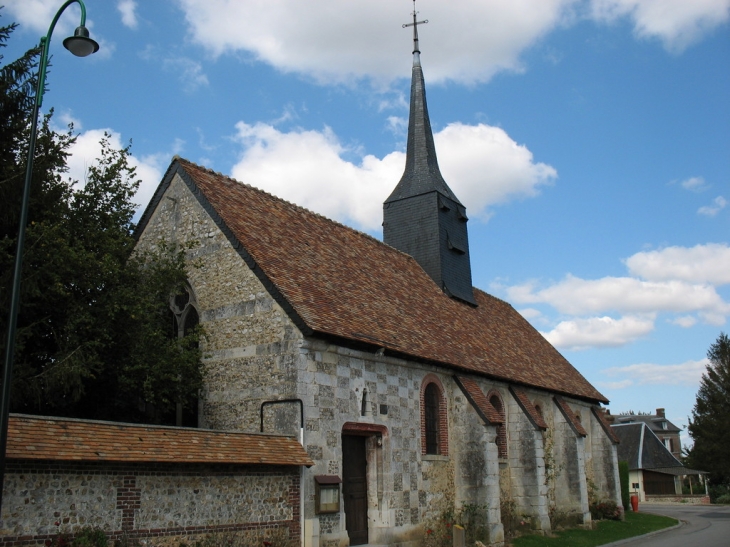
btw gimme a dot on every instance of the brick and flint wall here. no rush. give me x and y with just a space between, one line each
255 353
161 503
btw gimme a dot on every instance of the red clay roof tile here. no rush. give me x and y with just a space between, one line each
44 438
524 401
478 400
570 416
344 284
598 413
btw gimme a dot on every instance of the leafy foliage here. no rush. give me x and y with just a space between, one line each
710 422
623 473
605 510
94 335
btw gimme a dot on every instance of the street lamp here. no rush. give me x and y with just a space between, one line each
80 45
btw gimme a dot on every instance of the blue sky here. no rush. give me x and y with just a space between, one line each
589 140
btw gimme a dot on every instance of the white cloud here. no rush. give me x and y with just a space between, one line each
578 334
87 149
62 121
468 42
708 263
188 71
679 282
337 41
307 168
38 14
711 210
694 184
688 373
530 313
677 23
127 8
621 384
686 321
577 296
484 166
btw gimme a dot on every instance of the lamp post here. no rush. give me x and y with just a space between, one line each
80 45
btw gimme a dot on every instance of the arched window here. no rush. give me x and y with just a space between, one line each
184 318
434 423
496 401
432 402
184 313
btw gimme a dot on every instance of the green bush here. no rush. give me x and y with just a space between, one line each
623 475
86 537
718 491
725 498
605 510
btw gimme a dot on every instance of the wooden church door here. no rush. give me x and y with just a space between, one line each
355 488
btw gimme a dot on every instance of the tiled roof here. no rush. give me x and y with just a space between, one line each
601 417
570 416
478 400
43 438
339 283
524 401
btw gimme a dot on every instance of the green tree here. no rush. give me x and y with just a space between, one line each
709 426
94 334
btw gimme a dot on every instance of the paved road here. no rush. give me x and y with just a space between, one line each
704 526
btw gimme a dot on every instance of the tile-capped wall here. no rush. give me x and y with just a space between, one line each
146 501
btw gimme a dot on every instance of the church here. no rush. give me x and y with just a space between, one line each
415 394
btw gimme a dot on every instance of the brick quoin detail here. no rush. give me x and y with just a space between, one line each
129 499
294 496
443 423
495 399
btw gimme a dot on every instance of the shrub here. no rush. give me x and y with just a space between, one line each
86 537
605 510
623 474
725 498
718 491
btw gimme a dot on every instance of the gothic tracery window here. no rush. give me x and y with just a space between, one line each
184 315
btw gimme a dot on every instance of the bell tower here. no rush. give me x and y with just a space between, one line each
423 217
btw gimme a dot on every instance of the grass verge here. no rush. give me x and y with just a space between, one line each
607 531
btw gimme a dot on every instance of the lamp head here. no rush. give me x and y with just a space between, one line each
80 44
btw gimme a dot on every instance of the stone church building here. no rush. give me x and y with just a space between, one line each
413 392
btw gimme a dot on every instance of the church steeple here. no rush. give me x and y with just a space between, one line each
423 217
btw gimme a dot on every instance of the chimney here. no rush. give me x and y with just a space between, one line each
607 415
660 412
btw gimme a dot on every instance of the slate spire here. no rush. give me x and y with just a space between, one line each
422 216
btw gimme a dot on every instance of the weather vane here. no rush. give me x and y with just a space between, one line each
415 24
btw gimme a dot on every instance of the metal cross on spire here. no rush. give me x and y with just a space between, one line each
415 24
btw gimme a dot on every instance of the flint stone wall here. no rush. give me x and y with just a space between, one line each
251 348
255 353
526 457
42 499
